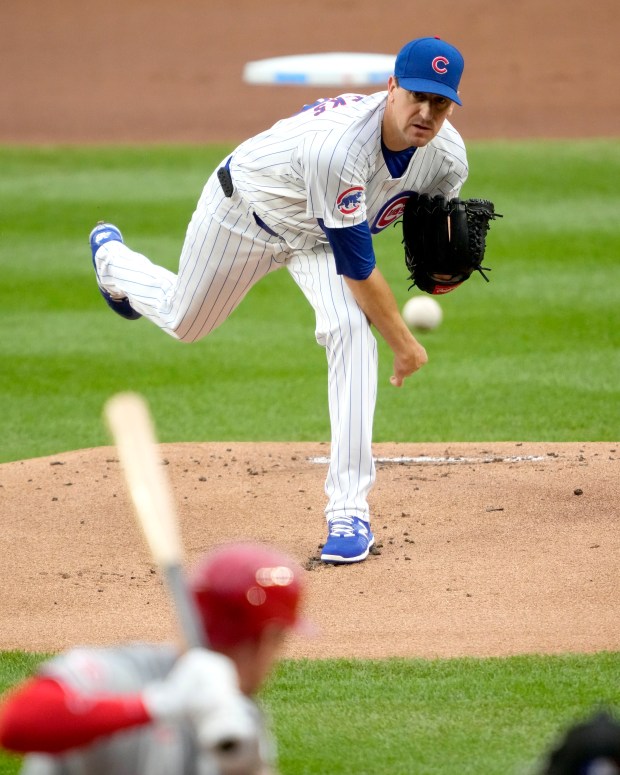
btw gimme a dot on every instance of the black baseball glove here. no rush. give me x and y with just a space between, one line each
445 240
586 744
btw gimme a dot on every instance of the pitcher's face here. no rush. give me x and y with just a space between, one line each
412 118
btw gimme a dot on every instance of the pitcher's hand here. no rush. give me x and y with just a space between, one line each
408 363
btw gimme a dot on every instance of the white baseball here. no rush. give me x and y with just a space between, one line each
422 312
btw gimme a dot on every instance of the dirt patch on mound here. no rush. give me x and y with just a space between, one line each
490 549
482 549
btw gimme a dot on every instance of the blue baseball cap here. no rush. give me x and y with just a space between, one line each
430 65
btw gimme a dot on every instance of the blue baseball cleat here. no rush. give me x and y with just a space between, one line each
349 540
102 233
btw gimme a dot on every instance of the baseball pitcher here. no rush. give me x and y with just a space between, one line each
309 194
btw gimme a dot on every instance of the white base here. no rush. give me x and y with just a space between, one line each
324 69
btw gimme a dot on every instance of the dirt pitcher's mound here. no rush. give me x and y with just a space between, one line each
483 549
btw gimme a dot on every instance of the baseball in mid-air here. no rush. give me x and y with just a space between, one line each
422 312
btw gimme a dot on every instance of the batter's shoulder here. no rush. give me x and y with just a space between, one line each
118 668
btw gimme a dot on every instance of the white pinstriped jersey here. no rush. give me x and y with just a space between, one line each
326 162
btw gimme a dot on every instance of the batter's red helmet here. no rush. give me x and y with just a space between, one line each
242 588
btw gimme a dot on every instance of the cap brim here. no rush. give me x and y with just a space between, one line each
429 87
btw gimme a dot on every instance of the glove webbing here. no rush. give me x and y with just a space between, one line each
479 212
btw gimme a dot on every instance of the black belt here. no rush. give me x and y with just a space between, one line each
225 179
228 187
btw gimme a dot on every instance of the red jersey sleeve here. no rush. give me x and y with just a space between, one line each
45 716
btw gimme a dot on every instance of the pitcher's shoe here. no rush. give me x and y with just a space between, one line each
349 540
102 233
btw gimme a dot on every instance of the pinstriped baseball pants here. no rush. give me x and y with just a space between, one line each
224 254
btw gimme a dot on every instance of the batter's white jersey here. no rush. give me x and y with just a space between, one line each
327 163
151 749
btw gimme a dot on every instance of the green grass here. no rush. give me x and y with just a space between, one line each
533 355
491 716
399 717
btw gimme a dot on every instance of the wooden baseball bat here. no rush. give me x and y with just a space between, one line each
130 422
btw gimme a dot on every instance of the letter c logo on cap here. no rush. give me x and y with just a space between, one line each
439 65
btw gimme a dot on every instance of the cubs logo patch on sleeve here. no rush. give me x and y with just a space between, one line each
350 200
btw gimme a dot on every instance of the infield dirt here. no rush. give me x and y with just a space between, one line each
487 549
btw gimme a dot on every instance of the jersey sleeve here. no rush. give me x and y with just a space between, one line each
352 249
45 716
81 695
